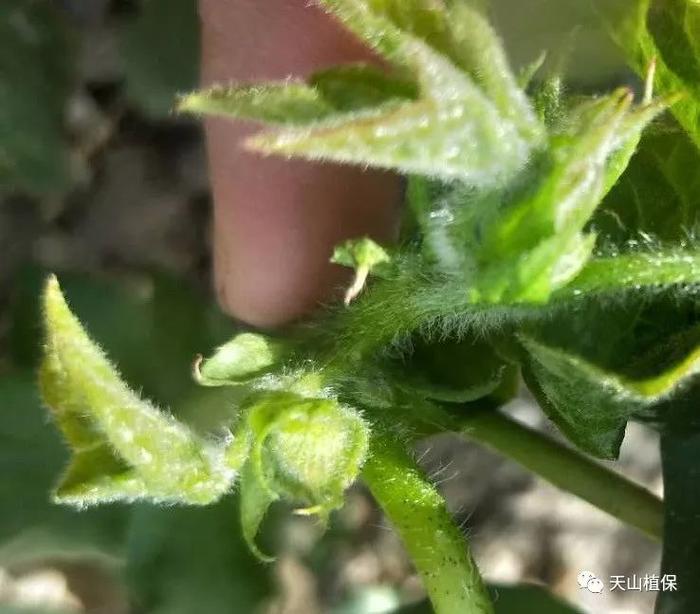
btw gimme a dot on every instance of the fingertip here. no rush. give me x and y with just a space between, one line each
276 221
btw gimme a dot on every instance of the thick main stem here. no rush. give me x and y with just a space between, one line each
569 470
419 514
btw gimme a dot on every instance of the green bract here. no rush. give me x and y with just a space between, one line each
305 450
124 447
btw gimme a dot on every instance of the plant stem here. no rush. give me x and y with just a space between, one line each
560 465
569 470
419 514
635 271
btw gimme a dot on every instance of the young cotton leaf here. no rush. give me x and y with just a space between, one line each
537 244
452 132
124 447
274 103
450 129
571 185
360 86
382 23
632 128
245 357
329 93
592 405
458 32
631 133
476 48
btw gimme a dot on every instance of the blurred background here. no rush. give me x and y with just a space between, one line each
102 184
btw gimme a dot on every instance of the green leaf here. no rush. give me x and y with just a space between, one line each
477 49
277 103
674 26
520 244
633 125
357 86
454 30
35 80
591 404
161 54
537 244
568 391
244 358
453 131
431 116
382 23
667 33
124 447
450 370
329 93
185 560
659 193
680 455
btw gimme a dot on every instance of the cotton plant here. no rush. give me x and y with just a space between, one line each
508 269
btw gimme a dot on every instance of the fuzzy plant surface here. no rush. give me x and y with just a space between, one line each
548 237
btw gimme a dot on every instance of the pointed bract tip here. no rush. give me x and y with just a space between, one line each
52 292
187 103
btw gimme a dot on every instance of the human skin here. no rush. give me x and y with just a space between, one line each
276 221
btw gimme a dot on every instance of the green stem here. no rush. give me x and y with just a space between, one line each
569 470
419 514
560 465
635 271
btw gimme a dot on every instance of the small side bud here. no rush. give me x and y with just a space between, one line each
364 255
245 357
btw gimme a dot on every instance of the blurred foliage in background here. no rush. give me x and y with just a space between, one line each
56 58
38 71
173 560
